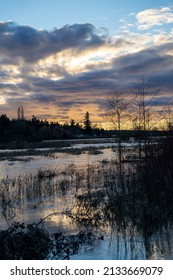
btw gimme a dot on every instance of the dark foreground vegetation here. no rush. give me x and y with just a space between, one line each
33 242
133 201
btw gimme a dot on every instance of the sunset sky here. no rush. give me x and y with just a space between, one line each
59 59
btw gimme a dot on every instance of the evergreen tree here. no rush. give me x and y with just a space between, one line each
87 123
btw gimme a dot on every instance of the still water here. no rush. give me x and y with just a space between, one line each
36 203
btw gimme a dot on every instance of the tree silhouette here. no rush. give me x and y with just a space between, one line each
118 114
87 123
145 116
20 113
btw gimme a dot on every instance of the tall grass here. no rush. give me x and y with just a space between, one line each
136 202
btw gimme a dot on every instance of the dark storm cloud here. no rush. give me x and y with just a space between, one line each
87 82
161 101
42 98
31 44
90 87
150 63
72 103
122 74
7 86
145 61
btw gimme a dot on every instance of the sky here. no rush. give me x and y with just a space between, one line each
59 59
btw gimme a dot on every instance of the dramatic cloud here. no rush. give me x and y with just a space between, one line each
31 44
62 73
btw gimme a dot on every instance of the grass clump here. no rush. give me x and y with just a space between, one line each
24 242
32 242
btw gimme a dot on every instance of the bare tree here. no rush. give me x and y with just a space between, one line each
145 116
119 115
169 118
140 108
20 113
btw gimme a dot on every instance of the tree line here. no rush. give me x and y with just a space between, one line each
34 129
123 110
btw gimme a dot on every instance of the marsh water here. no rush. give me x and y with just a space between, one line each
58 189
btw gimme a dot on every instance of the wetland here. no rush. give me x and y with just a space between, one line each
76 203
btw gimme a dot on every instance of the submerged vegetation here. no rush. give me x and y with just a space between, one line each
134 202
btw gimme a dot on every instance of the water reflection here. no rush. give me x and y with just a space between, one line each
84 191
